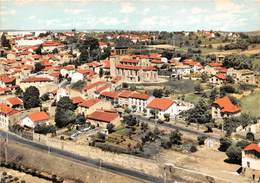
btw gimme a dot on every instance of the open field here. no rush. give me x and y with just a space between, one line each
251 103
237 51
206 160
162 46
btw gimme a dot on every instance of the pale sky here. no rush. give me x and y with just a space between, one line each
169 15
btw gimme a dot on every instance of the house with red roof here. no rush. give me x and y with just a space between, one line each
218 79
35 118
14 102
92 104
8 116
162 106
224 108
103 117
251 160
137 101
7 81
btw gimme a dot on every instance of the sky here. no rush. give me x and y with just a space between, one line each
167 15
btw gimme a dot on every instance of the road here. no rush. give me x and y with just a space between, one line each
96 163
177 127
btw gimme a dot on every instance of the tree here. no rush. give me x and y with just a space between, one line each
110 127
198 89
234 153
31 97
167 116
130 120
175 137
44 129
18 92
55 51
200 114
88 48
39 50
157 93
101 72
5 42
80 119
64 113
38 67
224 144
213 94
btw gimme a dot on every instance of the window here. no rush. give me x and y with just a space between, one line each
248 164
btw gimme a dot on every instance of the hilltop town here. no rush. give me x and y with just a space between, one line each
139 106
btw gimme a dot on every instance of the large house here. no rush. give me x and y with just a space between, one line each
162 106
133 69
251 160
102 117
35 118
138 101
224 108
242 76
8 116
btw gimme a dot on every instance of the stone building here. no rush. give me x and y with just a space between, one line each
133 69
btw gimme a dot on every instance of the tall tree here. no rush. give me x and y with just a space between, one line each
31 97
64 113
5 42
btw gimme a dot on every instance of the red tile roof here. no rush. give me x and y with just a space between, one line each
93 85
33 79
15 100
110 94
89 102
125 94
4 109
215 64
38 116
129 61
252 147
104 116
102 88
51 43
155 61
226 105
141 96
77 100
7 79
160 104
221 76
191 62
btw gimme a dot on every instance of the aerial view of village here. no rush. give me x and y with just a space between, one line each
129 91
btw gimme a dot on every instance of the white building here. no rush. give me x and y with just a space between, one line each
35 118
251 160
8 116
162 106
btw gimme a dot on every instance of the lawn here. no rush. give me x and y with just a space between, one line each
193 98
251 103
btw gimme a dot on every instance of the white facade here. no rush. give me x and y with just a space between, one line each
29 123
139 103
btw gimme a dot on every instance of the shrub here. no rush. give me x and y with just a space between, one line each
201 139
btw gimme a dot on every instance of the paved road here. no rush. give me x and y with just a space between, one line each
96 163
180 128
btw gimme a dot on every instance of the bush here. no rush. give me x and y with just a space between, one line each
234 154
224 144
201 139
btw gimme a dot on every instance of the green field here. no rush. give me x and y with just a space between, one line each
192 98
251 104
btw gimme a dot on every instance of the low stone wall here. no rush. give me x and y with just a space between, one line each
131 162
42 161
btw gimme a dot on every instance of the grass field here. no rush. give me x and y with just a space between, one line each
251 104
193 98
